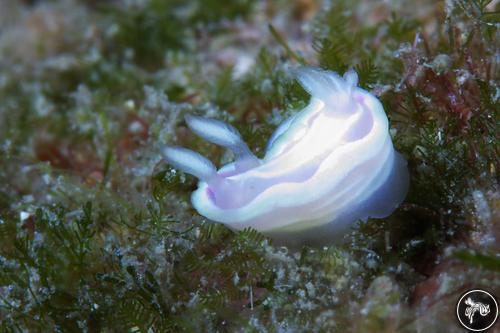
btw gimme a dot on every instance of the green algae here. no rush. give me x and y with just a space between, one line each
97 233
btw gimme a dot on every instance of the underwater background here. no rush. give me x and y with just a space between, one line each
97 233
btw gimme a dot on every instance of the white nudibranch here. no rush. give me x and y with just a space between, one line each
327 166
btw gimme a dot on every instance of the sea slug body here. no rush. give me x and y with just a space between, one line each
329 165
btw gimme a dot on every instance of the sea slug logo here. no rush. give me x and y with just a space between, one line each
473 307
477 310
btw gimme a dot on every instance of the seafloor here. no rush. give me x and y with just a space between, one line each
97 233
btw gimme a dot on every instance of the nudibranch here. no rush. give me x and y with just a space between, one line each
327 166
